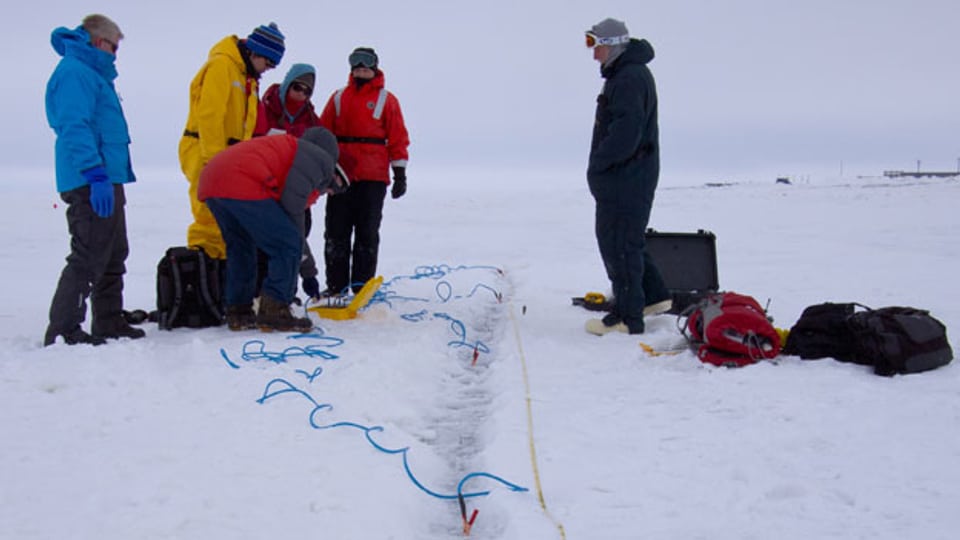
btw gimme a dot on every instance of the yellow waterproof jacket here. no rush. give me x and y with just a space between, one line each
223 107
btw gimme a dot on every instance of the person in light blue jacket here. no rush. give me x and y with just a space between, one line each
92 165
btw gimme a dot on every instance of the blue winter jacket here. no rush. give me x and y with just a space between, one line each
84 111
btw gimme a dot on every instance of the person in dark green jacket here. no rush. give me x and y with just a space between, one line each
622 173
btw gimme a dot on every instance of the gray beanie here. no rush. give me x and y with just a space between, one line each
613 31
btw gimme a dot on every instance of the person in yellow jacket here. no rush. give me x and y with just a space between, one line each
224 98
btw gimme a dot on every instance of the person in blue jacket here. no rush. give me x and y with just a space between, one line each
92 165
622 173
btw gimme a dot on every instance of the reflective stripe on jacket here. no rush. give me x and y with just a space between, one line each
368 122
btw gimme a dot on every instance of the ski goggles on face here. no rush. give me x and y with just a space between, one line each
593 40
302 88
362 59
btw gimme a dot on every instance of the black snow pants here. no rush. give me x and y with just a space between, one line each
357 213
95 267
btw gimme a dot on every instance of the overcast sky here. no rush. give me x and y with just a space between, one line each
789 87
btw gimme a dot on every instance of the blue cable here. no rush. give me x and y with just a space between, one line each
310 376
223 353
443 289
255 350
288 387
461 331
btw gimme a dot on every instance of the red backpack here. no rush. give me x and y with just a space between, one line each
730 329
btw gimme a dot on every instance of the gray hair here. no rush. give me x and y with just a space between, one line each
101 26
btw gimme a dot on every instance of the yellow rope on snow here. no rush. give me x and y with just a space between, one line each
533 448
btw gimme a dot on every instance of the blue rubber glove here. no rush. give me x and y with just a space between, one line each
101 191
311 287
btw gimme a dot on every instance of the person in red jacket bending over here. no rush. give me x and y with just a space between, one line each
257 191
369 126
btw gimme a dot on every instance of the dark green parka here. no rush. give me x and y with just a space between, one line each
625 145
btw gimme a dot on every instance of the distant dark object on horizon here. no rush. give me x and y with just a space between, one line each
921 174
784 180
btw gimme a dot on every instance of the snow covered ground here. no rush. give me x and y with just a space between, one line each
181 435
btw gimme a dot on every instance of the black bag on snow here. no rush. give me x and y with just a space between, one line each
822 332
189 289
899 340
891 339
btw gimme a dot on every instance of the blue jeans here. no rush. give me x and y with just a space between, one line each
250 225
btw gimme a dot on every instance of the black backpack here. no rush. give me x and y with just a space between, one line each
189 289
822 332
900 340
891 339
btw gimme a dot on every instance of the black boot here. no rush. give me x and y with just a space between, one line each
116 328
74 337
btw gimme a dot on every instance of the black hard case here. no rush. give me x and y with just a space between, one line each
688 263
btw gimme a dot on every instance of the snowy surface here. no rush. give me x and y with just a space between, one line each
169 437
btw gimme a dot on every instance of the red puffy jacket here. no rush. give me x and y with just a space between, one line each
253 170
369 127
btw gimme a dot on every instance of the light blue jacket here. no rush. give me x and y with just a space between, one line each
84 111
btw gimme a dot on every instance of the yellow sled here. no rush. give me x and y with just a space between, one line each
342 313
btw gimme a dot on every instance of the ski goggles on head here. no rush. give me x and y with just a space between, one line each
362 59
593 40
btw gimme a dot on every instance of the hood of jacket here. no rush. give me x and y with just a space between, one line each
229 48
296 71
76 44
316 157
311 171
639 51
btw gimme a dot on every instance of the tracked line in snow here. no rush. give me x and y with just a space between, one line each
465 393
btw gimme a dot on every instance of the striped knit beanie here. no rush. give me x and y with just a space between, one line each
267 41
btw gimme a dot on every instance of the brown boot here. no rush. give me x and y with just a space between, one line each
241 317
275 315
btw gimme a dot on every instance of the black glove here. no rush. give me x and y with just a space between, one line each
399 182
312 287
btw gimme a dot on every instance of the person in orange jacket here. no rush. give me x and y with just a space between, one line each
224 101
373 139
257 191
